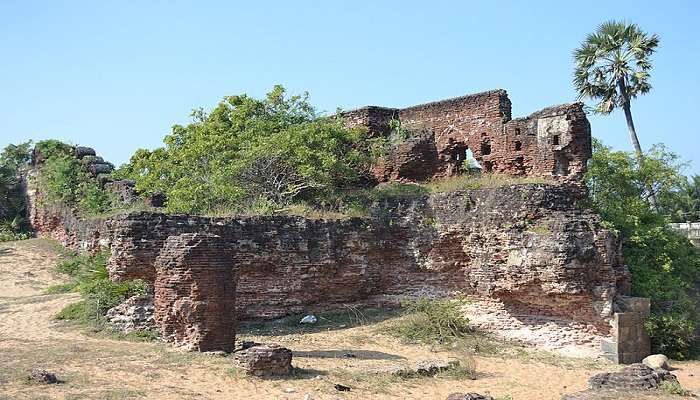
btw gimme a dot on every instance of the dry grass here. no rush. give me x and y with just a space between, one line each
479 181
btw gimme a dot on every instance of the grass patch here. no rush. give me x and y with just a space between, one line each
478 181
542 229
431 321
60 288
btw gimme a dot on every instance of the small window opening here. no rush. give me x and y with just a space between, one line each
518 145
555 140
517 131
485 148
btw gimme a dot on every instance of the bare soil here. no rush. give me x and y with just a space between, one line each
94 366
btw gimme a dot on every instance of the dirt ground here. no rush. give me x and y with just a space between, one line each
97 367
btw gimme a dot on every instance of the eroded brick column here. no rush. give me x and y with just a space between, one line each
195 292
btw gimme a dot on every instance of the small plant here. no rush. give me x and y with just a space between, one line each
674 387
541 229
432 321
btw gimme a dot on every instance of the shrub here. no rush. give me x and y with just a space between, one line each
432 321
91 280
64 180
13 224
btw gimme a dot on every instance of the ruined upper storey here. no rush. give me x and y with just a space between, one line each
554 142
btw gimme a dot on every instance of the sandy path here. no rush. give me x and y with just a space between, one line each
94 367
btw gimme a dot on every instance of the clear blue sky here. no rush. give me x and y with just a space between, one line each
116 75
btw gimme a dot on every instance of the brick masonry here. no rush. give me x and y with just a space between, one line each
195 292
526 253
554 142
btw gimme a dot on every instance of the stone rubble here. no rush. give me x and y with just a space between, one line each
134 314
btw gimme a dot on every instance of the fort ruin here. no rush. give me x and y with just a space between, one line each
554 142
537 266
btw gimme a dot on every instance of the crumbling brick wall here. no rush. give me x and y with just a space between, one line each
195 292
554 142
528 248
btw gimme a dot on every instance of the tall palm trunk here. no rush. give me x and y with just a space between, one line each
633 136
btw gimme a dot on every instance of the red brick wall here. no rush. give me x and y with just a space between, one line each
554 142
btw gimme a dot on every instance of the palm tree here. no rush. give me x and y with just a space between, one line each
612 66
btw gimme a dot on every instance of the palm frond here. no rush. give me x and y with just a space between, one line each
616 50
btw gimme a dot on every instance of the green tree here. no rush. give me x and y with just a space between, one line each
612 66
12 204
274 150
685 205
664 265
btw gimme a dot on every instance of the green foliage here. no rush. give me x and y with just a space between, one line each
64 180
90 279
14 156
674 387
664 265
46 149
275 151
432 321
13 224
685 204
616 55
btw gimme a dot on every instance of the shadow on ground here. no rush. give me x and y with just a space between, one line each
328 321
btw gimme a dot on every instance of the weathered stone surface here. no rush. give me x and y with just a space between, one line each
136 313
636 381
264 360
632 377
42 376
656 361
554 142
468 396
195 292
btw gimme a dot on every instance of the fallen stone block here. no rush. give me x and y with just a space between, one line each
656 361
632 377
265 360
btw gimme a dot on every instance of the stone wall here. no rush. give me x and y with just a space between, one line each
527 250
554 142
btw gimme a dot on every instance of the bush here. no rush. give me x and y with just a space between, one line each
91 280
52 148
65 181
432 321
13 224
